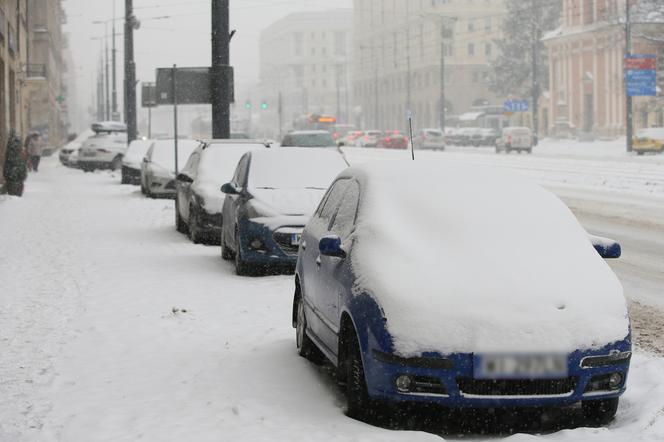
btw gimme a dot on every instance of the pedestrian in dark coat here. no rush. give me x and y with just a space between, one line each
34 146
16 167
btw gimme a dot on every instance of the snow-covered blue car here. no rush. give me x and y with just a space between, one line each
459 286
268 202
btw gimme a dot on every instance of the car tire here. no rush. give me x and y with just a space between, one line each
305 346
180 225
241 266
600 412
357 395
194 230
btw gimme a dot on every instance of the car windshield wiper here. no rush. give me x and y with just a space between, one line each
315 188
266 188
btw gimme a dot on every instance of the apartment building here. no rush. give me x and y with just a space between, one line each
45 89
400 46
13 57
587 90
304 59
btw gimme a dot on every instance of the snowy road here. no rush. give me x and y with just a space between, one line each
114 327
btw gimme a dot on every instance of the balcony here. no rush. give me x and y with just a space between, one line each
36 71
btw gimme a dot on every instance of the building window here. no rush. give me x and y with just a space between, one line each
488 47
471 48
588 12
487 24
471 25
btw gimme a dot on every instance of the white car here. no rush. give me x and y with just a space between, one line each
158 167
69 152
132 160
430 139
518 139
105 149
369 138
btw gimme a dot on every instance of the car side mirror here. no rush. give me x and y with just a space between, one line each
229 189
607 248
331 246
184 178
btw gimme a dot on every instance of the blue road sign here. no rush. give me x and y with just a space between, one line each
641 83
516 106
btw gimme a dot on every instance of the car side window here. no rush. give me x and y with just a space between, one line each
344 219
329 208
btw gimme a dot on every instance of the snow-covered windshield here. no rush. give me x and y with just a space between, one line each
292 168
163 153
218 162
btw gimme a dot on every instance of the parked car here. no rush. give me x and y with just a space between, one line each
132 160
393 139
518 139
453 136
269 200
105 149
649 140
340 131
309 138
430 139
470 136
369 138
158 167
489 136
69 152
388 288
199 200
349 139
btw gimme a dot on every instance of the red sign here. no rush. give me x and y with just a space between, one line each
640 64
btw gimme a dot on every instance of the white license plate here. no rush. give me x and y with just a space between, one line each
89 154
527 366
295 239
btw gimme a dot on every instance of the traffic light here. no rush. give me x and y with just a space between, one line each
247 105
264 105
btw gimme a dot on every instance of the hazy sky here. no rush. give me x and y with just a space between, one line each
184 38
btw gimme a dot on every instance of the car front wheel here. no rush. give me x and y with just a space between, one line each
600 412
180 225
357 396
194 229
241 266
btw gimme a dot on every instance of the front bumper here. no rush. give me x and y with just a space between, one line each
162 187
454 385
275 250
131 175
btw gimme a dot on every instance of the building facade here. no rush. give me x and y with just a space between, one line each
400 46
13 57
587 90
304 68
45 69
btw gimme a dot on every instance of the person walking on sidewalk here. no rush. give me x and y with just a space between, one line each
35 147
16 165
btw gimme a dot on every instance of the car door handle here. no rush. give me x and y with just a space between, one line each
318 261
304 245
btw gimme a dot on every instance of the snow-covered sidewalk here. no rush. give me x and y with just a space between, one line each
115 327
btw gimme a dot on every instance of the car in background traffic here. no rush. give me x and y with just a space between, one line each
453 136
199 200
393 139
308 138
369 138
649 140
340 131
269 200
388 289
158 167
488 136
519 139
132 160
430 139
105 149
349 139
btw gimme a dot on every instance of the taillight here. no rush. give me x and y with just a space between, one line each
509 138
388 139
366 138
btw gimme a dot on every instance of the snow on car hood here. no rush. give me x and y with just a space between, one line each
292 202
470 259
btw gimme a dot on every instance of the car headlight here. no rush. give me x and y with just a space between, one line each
612 358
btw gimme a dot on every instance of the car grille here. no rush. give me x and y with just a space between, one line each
284 242
517 387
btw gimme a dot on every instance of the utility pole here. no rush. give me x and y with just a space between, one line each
130 72
408 91
115 75
280 110
443 48
536 35
338 93
628 102
100 91
219 89
108 81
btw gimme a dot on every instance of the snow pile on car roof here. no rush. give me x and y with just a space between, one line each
164 153
136 152
470 259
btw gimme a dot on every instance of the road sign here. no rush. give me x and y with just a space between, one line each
149 95
516 106
641 75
